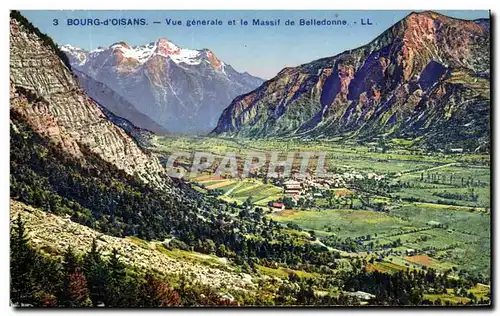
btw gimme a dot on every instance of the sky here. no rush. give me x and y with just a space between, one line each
260 50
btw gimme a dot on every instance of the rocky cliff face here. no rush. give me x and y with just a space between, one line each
49 98
182 90
428 75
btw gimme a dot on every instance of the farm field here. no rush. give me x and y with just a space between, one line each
237 191
456 184
344 223
430 210
463 243
399 159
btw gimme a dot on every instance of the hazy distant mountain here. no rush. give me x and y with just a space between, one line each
428 75
116 104
182 90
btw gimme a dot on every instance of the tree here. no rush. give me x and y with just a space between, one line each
48 278
287 294
70 262
305 296
74 291
78 293
47 300
248 202
209 246
34 277
23 263
416 296
222 251
95 272
116 278
288 202
157 293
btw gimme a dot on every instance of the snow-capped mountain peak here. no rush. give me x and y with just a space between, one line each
142 53
78 54
181 89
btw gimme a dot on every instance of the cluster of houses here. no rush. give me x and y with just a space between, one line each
311 187
292 188
304 185
296 190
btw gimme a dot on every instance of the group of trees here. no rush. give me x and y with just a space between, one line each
92 280
469 196
358 244
440 178
407 287
373 186
301 292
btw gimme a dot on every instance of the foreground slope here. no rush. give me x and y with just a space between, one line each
428 75
57 233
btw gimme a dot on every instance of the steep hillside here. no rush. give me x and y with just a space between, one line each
46 95
49 230
428 75
182 90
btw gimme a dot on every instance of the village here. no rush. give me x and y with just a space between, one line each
286 190
298 190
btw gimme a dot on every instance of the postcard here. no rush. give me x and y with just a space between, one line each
250 158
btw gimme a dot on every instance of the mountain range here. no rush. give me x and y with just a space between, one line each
426 78
160 86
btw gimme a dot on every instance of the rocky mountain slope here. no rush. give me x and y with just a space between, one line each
44 92
428 75
180 89
116 104
51 232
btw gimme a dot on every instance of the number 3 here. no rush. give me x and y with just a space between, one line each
55 22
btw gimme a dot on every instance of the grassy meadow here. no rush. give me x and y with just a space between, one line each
435 214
